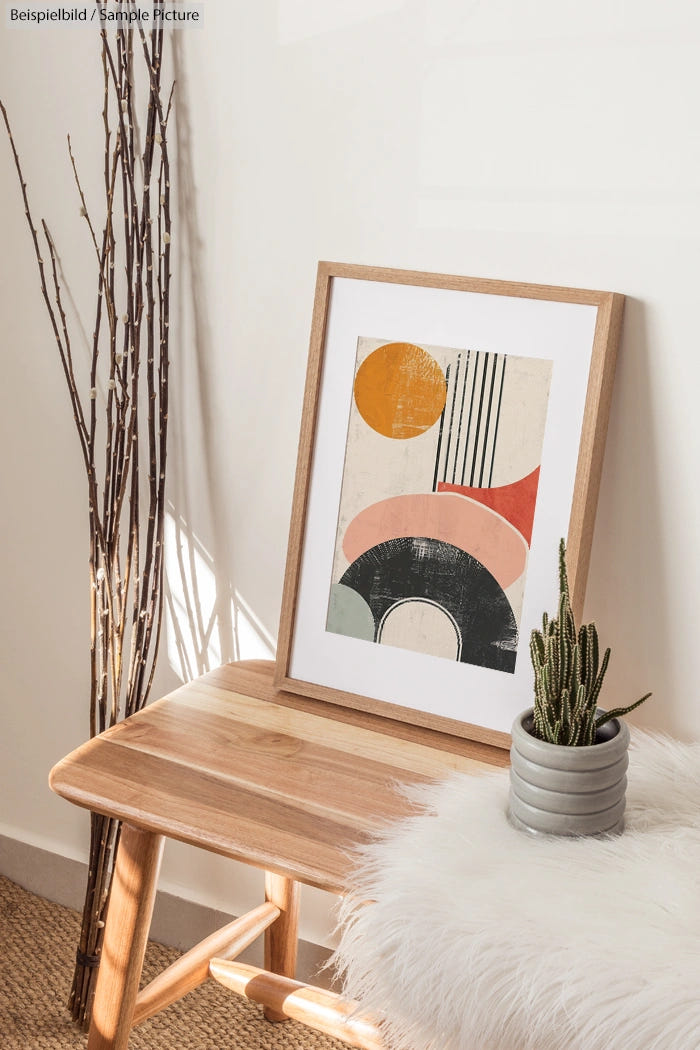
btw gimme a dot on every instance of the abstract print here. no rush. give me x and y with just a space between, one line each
438 500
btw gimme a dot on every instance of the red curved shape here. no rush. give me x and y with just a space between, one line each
463 522
514 502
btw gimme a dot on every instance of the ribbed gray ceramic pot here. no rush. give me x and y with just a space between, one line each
558 790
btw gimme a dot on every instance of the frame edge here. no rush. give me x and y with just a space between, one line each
610 307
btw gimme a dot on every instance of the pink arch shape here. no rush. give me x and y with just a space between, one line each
455 519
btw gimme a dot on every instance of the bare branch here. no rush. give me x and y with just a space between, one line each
129 363
84 209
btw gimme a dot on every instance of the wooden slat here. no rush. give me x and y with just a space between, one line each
317 1008
220 764
350 740
254 677
215 814
427 755
202 736
192 969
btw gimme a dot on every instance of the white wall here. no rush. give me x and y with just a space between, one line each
550 142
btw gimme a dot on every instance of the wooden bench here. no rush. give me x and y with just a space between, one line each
287 784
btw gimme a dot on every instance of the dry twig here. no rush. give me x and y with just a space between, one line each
124 448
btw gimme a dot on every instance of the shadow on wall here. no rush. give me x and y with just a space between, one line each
207 620
628 587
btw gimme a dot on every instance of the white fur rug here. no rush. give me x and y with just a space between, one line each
482 938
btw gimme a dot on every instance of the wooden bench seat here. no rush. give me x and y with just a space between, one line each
228 764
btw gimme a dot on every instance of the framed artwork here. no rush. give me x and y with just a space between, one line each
453 431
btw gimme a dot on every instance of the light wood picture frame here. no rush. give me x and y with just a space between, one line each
453 430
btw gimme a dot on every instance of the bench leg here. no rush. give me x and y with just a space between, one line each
281 936
126 933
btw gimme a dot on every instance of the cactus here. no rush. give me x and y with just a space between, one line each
569 675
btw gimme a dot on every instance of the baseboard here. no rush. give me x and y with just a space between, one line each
177 922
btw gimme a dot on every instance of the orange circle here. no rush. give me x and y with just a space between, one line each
400 390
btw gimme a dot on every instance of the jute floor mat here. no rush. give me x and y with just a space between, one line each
37 948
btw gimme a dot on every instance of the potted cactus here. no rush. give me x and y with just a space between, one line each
568 757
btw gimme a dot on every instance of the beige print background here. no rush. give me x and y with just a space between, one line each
378 467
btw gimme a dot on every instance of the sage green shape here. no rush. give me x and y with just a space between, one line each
349 614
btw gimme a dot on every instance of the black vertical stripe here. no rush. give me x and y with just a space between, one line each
461 414
488 420
498 419
442 423
478 419
452 416
477 357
